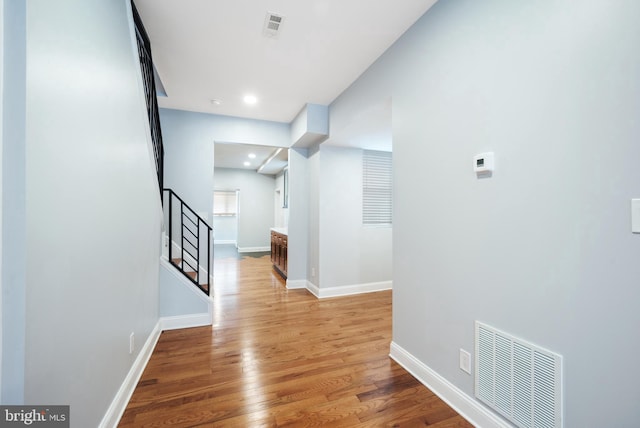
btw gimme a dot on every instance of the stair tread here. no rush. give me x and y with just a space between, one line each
178 262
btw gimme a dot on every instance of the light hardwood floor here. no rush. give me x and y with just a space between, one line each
282 358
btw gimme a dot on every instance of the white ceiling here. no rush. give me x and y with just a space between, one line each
266 160
216 49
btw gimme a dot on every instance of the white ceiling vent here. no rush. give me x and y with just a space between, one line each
272 24
519 380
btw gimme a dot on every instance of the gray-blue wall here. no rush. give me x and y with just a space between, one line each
93 212
13 203
256 205
542 250
189 156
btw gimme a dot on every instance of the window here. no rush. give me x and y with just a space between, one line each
225 203
376 188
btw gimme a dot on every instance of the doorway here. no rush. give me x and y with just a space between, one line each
225 217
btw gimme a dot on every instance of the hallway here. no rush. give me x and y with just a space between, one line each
278 357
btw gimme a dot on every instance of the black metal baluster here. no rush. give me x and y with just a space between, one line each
148 80
182 235
198 252
187 211
208 261
170 224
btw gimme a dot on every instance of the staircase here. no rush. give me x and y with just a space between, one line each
188 240
188 236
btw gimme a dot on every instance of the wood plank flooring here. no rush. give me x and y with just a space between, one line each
282 358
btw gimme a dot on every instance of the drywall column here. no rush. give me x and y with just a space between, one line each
298 243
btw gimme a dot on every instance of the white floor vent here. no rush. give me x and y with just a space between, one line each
519 380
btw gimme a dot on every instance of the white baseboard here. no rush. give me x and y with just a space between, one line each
185 321
119 403
121 400
313 289
466 406
224 242
297 284
253 249
347 290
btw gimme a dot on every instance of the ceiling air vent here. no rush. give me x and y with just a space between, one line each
272 24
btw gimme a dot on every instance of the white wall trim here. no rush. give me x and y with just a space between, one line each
253 249
347 290
297 284
191 286
224 242
466 406
313 289
165 261
120 401
185 321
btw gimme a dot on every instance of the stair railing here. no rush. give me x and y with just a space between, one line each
151 100
188 231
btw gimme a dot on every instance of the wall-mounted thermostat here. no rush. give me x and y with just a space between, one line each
483 163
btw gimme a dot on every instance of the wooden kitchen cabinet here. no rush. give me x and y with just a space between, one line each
279 240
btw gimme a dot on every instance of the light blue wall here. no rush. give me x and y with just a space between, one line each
298 239
13 203
225 229
350 253
93 212
256 205
314 273
281 212
189 140
178 298
542 250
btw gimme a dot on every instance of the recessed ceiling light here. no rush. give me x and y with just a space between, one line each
252 155
216 102
250 99
247 163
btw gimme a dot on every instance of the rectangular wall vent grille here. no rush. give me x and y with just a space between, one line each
517 379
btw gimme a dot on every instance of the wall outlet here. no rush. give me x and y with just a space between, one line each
132 342
465 361
313 271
